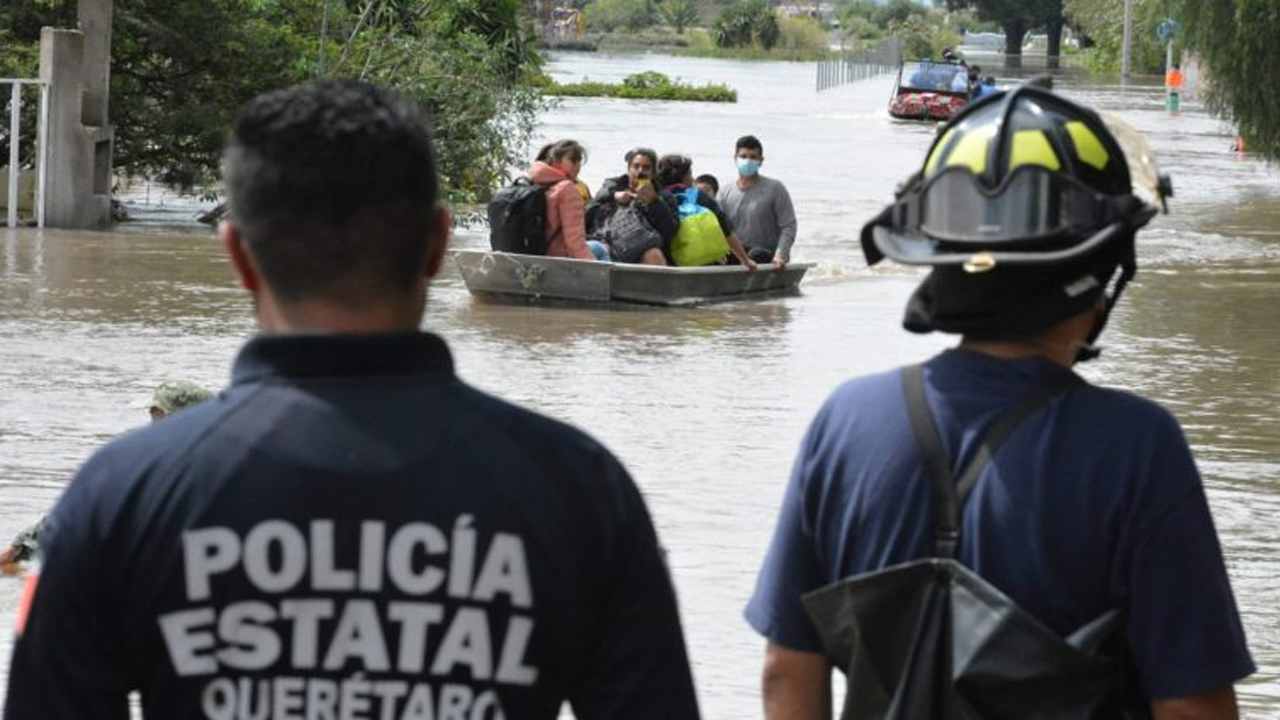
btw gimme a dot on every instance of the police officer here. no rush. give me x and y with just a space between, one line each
349 530
1025 213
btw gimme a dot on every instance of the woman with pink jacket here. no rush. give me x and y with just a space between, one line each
557 168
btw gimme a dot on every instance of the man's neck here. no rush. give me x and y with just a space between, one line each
745 182
1059 353
1059 344
319 316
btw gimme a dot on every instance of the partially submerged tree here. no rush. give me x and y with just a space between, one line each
1236 40
1017 17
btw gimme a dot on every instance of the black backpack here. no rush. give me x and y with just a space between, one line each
931 639
518 218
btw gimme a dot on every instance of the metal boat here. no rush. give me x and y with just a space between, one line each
534 278
923 91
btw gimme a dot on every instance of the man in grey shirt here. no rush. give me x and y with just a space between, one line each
759 208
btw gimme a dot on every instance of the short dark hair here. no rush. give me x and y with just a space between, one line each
750 142
708 179
673 169
333 187
646 152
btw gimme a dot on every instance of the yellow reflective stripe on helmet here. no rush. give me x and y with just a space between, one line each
1031 147
938 150
971 150
1089 148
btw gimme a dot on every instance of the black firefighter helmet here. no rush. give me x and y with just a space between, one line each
1025 209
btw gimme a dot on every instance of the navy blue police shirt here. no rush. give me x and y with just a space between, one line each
1093 503
350 531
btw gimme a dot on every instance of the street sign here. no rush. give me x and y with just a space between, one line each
1167 30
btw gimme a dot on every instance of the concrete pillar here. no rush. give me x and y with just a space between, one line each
78 191
95 24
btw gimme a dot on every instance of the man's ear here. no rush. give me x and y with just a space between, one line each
241 261
439 241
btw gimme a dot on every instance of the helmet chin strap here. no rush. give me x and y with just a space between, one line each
1086 350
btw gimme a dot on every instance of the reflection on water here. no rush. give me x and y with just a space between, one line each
705 406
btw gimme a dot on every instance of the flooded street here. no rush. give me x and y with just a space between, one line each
705 406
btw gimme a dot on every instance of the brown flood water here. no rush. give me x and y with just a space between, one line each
705 406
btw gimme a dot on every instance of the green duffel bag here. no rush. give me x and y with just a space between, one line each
699 241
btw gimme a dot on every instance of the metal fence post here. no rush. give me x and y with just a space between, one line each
15 171
42 153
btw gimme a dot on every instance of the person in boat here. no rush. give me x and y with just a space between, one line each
1092 504
708 183
675 175
921 77
988 87
973 81
349 529
556 166
945 72
633 191
170 397
759 207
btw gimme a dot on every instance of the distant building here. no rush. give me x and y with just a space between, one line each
824 13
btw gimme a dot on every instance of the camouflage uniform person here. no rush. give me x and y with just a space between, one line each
170 397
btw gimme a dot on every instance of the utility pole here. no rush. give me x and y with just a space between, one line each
321 70
1128 33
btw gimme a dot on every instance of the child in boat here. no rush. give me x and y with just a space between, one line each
708 184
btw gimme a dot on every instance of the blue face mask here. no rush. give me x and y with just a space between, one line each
748 167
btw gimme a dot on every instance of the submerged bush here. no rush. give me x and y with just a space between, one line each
648 85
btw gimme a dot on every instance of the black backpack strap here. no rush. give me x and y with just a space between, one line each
950 494
936 459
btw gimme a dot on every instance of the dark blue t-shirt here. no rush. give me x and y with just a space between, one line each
1093 503
351 531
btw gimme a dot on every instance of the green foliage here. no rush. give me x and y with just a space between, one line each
647 85
766 29
679 14
610 15
1235 39
181 68
801 34
1102 22
702 43
922 38
924 32
967 20
471 64
657 38
17 59
747 22
865 9
179 71
897 12
857 27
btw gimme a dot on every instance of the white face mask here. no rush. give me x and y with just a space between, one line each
748 167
